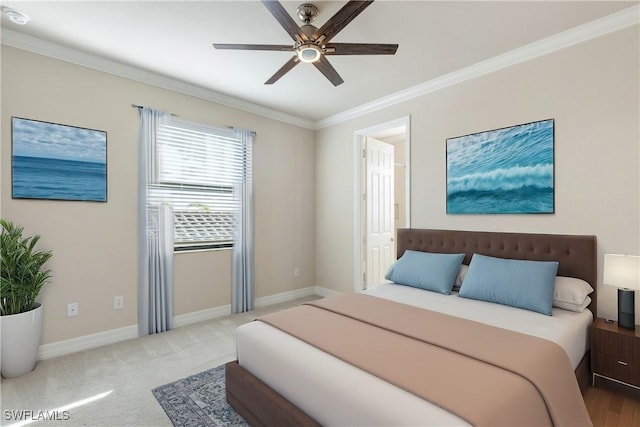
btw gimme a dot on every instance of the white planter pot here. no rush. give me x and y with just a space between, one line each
20 341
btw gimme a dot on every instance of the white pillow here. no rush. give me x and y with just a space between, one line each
571 306
570 290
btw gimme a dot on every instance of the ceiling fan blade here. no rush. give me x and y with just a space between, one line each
360 49
278 47
284 19
340 20
329 72
283 70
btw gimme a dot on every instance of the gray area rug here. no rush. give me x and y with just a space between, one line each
198 400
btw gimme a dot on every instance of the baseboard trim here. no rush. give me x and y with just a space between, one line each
284 297
87 342
324 292
201 316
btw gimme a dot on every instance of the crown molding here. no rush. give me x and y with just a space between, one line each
78 57
600 27
608 24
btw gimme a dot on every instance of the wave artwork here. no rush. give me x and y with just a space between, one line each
58 162
502 171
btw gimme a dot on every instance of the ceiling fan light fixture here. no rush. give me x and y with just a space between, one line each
309 52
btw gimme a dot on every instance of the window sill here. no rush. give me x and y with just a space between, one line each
190 251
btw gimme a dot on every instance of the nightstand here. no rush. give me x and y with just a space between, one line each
615 353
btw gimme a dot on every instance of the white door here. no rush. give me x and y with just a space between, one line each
379 206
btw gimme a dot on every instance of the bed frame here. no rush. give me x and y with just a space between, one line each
577 257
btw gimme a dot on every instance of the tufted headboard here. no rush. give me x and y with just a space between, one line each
577 255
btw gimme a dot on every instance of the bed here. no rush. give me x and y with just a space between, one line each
279 380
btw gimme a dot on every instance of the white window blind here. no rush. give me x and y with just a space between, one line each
197 169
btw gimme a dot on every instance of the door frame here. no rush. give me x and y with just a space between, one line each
358 233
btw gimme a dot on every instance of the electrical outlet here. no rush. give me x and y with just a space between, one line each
118 302
72 309
296 272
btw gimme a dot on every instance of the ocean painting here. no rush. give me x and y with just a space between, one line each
502 171
58 162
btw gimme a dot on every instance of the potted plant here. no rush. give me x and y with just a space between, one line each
22 276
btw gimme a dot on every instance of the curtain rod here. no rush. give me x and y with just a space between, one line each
253 132
175 115
142 106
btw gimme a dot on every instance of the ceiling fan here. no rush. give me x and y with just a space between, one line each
311 44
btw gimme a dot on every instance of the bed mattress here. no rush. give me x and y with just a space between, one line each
363 399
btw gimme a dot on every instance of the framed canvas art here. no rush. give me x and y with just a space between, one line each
502 171
57 162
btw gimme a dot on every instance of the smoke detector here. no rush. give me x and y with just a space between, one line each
15 16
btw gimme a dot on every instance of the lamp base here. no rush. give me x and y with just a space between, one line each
626 309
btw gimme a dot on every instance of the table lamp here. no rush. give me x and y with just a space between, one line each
623 272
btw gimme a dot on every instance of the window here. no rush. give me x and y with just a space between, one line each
198 167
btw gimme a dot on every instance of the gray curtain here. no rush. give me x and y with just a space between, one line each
155 237
242 291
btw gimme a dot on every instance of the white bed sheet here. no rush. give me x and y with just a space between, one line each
568 329
335 393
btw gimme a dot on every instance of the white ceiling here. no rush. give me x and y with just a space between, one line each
173 39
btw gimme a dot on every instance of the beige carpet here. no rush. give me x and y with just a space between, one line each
111 385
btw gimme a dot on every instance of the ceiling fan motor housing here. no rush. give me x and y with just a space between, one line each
308 50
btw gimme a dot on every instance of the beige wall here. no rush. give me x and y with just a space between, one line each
592 92
94 244
304 184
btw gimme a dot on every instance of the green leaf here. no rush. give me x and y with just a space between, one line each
22 272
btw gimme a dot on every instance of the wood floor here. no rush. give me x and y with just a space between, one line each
613 405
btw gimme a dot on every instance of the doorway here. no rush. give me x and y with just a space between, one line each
382 187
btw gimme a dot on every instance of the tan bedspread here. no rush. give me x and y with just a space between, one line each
485 375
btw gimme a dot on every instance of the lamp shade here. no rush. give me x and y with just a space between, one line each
622 271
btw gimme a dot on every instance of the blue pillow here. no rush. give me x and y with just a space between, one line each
518 283
425 270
